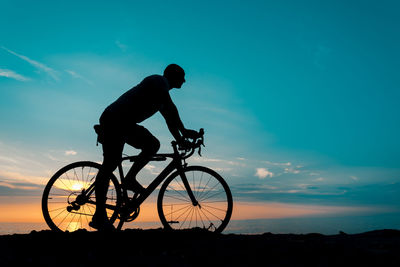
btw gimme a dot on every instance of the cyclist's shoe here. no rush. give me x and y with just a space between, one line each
102 225
134 186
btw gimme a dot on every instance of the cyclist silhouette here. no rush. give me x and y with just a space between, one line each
119 125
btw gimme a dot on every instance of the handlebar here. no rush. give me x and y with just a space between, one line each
188 146
184 152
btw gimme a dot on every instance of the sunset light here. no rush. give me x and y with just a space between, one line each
299 102
200 133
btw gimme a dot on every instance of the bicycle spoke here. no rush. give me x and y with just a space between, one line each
190 209
186 200
210 190
223 210
67 207
184 196
206 184
213 207
66 190
64 209
77 178
194 184
58 202
201 219
56 209
73 216
168 214
201 179
210 213
184 212
205 215
87 176
62 219
69 180
90 209
216 194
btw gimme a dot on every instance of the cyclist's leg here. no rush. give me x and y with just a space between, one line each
112 151
140 138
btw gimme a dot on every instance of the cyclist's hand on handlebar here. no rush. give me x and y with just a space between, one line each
184 144
192 134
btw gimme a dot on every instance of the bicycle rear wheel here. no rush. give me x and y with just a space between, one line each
69 200
214 208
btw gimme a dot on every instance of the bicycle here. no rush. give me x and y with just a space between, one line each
189 197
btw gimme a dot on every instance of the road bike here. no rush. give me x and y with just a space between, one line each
189 196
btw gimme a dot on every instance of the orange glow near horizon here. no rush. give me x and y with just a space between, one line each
21 209
276 210
28 210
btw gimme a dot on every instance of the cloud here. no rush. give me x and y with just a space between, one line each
78 76
121 46
280 168
218 161
277 163
263 173
292 170
36 64
152 169
19 186
21 166
13 75
16 177
70 153
13 183
354 178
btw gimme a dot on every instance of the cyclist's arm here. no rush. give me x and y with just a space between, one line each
173 120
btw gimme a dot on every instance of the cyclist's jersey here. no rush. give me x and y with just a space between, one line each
140 102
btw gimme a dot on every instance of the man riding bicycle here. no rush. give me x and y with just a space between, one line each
119 125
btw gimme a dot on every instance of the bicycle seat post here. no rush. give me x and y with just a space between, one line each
174 146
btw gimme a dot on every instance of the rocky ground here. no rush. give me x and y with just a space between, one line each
198 248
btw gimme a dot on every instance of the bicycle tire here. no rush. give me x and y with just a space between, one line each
214 210
61 190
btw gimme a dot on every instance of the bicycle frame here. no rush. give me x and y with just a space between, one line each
185 199
175 164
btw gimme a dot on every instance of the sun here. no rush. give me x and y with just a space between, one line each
77 186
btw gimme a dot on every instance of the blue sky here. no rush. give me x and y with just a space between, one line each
299 99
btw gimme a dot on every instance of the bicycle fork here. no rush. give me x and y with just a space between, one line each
188 188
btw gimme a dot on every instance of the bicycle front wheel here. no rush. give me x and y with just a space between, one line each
213 209
69 200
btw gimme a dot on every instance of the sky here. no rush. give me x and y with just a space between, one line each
299 99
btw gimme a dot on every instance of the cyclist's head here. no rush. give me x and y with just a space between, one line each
175 75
